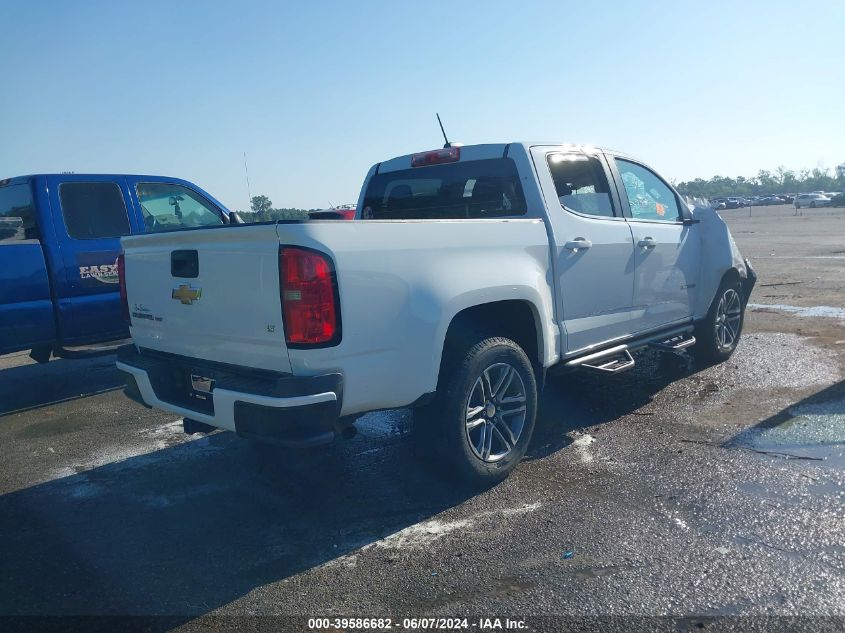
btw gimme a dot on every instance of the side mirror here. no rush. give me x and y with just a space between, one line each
690 221
235 218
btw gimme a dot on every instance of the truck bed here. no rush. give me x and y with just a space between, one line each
399 284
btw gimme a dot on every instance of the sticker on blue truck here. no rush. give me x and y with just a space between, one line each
97 268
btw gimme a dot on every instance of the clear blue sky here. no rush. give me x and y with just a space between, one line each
315 92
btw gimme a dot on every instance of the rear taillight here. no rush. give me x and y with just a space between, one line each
121 277
308 289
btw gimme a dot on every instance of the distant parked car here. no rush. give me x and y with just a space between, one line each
811 200
732 203
342 212
718 203
838 200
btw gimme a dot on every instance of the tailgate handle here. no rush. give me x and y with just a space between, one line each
184 264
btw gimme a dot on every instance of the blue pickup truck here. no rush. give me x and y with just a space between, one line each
59 242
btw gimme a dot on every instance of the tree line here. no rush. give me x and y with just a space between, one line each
261 210
765 183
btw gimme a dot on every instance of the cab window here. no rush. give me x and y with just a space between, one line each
650 198
17 214
93 210
471 189
581 184
166 206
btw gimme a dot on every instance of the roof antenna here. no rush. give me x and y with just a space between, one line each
448 144
248 192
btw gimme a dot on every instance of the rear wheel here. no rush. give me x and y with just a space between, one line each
813 204
481 421
717 335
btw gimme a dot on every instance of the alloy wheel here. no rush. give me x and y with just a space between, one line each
495 412
728 317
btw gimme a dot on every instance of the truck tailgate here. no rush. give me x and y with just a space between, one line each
209 294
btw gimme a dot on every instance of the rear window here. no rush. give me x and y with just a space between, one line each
581 184
471 189
17 214
93 210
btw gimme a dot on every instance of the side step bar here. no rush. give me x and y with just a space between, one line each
614 365
676 343
610 361
89 351
618 358
43 354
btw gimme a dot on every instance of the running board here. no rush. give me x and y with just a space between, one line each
89 351
618 358
675 344
610 361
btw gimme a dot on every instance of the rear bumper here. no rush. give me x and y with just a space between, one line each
278 408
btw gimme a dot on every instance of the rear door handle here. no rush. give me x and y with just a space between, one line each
647 242
579 243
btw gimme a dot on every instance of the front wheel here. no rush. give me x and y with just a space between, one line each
813 205
717 335
481 422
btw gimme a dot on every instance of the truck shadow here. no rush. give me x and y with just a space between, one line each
190 528
31 385
577 400
187 529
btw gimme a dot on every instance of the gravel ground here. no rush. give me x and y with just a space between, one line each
667 490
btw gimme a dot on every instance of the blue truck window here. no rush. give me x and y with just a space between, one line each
17 215
167 206
93 210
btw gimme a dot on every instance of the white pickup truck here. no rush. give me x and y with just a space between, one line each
468 274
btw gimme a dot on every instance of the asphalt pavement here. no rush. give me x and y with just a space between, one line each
668 490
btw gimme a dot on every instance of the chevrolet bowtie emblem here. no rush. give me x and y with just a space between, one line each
186 295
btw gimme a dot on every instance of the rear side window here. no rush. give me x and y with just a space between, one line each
93 210
581 184
17 214
471 189
167 206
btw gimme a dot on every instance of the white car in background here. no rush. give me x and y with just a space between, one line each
811 200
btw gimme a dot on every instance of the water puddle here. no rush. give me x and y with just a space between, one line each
813 311
800 257
812 431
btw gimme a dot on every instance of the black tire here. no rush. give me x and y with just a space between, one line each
711 334
442 433
813 204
